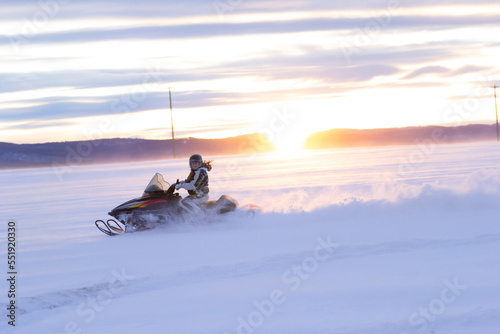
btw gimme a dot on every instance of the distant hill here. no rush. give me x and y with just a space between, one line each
123 150
76 153
344 138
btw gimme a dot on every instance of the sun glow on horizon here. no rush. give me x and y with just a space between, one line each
292 142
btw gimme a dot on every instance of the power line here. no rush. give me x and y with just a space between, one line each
496 110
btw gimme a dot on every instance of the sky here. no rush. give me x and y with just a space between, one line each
81 70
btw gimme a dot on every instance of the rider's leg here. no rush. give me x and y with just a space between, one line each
191 204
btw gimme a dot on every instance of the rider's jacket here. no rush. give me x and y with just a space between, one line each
197 182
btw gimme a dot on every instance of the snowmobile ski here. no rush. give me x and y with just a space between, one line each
110 227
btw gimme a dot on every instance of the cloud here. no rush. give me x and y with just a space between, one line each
32 125
198 130
98 78
159 8
304 66
427 70
60 108
325 68
471 69
192 31
224 29
445 71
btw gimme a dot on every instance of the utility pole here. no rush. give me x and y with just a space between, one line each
496 110
172 121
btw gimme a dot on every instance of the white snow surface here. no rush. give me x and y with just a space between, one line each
387 240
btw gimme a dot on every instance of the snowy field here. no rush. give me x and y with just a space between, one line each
396 240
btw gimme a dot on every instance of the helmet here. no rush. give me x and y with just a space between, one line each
195 161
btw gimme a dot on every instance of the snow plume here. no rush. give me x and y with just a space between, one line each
479 189
481 181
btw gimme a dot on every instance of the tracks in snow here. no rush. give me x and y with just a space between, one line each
276 263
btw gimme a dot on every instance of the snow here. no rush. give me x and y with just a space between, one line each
396 240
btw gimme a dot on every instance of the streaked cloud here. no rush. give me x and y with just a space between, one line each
81 62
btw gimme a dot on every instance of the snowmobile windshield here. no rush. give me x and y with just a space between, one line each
156 184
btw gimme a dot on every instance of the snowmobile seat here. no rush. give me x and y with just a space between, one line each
223 205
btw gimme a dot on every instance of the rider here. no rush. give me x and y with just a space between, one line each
196 184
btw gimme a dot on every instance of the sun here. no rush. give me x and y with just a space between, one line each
290 141
290 128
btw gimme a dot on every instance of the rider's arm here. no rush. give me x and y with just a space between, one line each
200 180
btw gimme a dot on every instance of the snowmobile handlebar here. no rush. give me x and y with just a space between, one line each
170 190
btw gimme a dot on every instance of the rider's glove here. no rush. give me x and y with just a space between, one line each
178 185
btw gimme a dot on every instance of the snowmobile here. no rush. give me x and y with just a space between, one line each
159 204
